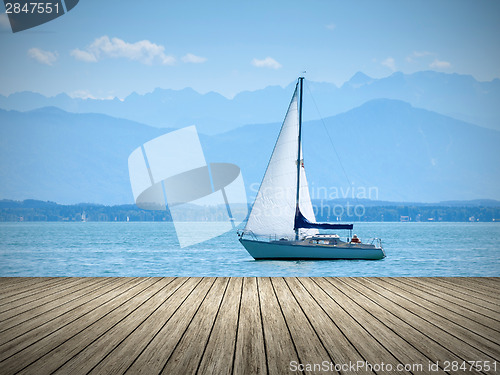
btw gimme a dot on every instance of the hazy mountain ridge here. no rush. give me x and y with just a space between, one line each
459 96
390 151
51 154
404 153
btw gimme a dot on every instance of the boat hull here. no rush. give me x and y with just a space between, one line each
287 250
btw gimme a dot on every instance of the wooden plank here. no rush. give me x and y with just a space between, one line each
32 287
28 337
187 354
40 348
382 312
482 284
23 310
477 287
456 324
36 299
447 333
460 291
339 348
92 354
250 354
280 350
371 350
481 324
22 327
309 347
125 353
402 352
65 285
493 281
55 358
23 284
448 295
153 358
219 352
472 289
463 350
157 325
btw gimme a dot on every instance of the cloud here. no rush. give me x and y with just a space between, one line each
421 53
390 63
417 55
190 58
82 94
331 26
143 51
438 64
425 57
43 57
4 21
268 62
83 55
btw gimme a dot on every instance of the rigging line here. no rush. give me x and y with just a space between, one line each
328 134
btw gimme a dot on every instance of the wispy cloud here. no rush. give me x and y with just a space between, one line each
423 57
82 94
331 26
4 21
83 55
143 51
390 63
421 53
268 62
86 94
438 64
417 55
190 58
43 57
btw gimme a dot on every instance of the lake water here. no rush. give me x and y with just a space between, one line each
151 249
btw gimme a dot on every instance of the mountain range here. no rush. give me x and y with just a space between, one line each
383 149
458 96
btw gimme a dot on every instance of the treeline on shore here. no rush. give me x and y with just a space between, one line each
34 210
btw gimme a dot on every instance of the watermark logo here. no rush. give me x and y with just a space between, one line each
331 203
205 200
25 14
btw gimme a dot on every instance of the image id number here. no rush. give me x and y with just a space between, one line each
39 8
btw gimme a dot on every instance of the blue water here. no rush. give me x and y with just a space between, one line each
151 249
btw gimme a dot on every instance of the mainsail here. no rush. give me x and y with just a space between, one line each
274 209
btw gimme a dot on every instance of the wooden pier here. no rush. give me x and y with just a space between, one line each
249 325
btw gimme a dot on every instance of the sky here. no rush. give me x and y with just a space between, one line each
106 49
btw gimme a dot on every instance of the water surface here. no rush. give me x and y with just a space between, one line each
151 249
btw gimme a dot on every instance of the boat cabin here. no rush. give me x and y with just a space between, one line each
324 239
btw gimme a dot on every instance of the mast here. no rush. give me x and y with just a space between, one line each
301 79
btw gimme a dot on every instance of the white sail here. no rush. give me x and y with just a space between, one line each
273 212
305 204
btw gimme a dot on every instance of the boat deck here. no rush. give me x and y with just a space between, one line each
249 325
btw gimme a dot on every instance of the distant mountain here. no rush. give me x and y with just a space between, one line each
388 149
455 95
50 154
458 96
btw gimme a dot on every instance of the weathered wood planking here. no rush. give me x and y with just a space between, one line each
247 325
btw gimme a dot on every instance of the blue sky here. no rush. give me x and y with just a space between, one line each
111 48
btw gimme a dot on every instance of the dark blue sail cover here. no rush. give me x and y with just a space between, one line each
302 222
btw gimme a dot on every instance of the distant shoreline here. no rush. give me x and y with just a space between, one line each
340 210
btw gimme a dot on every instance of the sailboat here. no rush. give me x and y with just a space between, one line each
282 224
